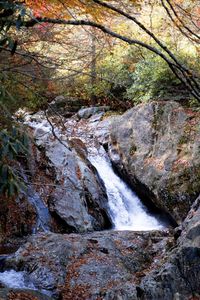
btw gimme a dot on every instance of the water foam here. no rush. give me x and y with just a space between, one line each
14 279
126 209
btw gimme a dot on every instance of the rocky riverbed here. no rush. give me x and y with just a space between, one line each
75 250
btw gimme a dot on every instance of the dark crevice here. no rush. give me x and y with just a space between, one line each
146 196
140 292
101 217
60 225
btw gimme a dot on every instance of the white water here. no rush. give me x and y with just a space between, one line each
126 209
13 279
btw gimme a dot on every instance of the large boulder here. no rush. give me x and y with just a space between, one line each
156 147
100 265
78 199
178 276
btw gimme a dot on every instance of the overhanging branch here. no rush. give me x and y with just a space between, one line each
180 71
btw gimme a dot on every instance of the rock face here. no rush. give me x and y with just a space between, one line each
78 199
86 113
102 265
156 146
115 265
178 277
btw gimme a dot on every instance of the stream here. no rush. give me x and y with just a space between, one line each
126 209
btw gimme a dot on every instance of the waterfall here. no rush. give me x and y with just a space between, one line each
126 210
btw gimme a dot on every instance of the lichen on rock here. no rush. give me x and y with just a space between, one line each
155 146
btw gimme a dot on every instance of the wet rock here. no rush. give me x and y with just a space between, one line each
155 146
94 131
17 294
178 276
78 200
102 264
86 113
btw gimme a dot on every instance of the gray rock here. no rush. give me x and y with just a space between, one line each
178 277
78 200
21 294
86 113
102 264
156 147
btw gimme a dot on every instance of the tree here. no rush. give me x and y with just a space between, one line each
95 13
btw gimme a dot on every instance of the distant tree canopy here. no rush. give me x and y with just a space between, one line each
183 16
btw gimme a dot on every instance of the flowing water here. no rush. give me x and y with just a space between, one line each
43 215
14 279
126 209
19 280
43 222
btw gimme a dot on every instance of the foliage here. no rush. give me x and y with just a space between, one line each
21 89
130 74
113 73
65 9
152 79
10 11
112 76
12 144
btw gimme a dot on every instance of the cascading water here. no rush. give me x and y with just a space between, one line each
14 279
126 209
43 216
19 280
43 222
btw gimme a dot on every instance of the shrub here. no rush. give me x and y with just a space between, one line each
152 79
13 143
